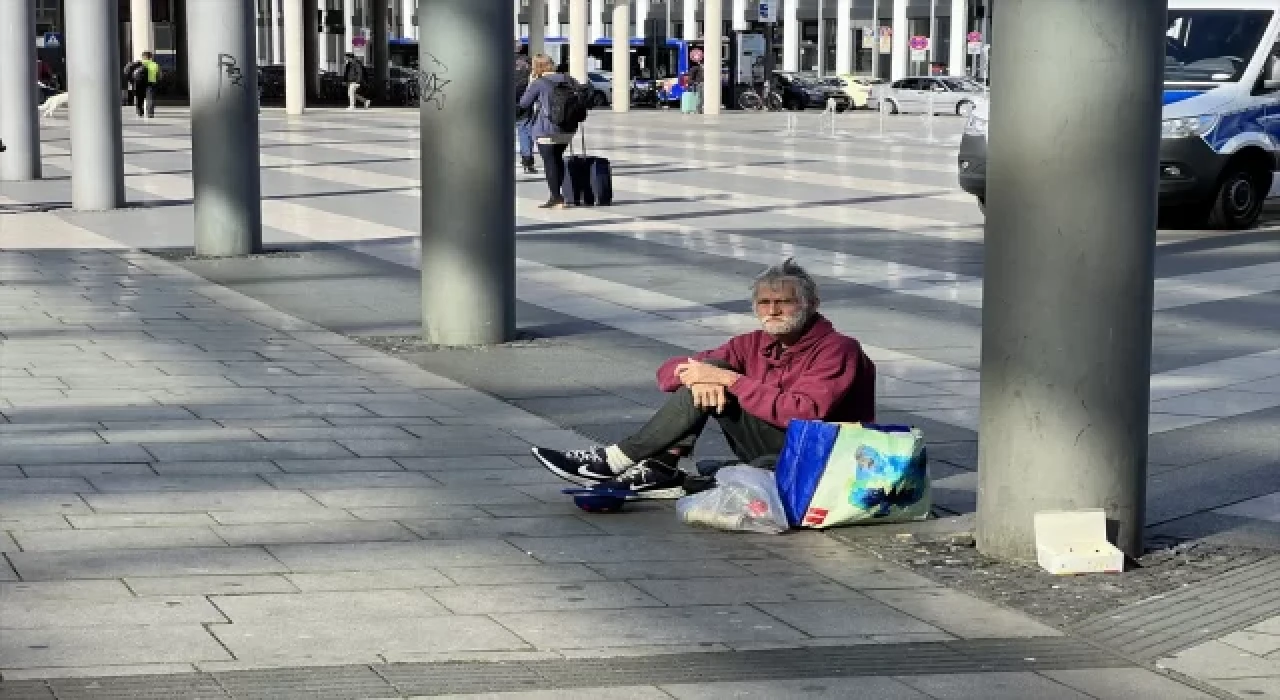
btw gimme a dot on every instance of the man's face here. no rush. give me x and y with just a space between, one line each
780 310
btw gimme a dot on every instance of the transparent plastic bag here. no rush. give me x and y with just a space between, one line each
745 499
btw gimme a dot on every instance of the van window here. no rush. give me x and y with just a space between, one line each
1212 46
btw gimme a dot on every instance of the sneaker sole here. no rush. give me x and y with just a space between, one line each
567 476
668 494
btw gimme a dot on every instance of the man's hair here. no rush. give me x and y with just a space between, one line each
146 55
788 271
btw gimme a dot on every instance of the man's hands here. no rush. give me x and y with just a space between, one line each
707 382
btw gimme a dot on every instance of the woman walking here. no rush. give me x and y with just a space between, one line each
552 140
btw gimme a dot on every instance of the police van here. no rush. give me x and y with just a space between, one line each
1220 130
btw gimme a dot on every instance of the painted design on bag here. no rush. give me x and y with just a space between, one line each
881 484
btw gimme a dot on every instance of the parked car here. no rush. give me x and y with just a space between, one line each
799 92
602 88
941 95
858 88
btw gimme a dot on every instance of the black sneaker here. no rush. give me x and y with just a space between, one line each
650 479
582 467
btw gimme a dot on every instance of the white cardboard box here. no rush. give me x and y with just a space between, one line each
1075 542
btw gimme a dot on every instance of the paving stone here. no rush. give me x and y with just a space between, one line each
809 689
306 514
117 538
60 590
304 533
506 575
991 686
196 501
25 504
465 528
492 477
177 561
1124 684
418 408
28 613
431 512
335 432
247 451
736 591
397 555
76 414
372 580
121 520
316 466
83 674
627 692
243 412
1214 660
215 468
852 617
187 435
290 642
417 497
86 437
432 464
1253 642
150 484
66 454
116 645
962 614
209 585
330 606
531 597
86 471
436 447
34 522
45 485
662 570
593 550
344 480
640 626
1266 688
853 570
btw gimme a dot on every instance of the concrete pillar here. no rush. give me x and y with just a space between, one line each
348 27
19 120
408 29
310 46
713 56
468 175
791 34
224 128
295 71
901 41
844 37
1066 348
690 20
621 56
277 32
141 29
578 40
959 31
381 52
597 19
93 76
642 14
739 18
537 20
181 62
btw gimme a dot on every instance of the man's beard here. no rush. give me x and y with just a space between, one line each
786 325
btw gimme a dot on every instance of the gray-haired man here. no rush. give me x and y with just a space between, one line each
796 367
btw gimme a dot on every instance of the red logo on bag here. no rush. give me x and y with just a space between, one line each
815 516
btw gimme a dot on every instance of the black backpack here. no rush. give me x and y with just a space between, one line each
137 72
570 103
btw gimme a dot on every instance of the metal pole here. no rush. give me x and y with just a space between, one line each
295 88
1066 348
622 56
310 48
141 28
537 20
93 76
468 180
224 127
822 37
712 56
382 50
19 120
578 40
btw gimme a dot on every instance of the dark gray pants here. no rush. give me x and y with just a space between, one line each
677 425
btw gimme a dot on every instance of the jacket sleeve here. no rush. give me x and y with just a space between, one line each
730 354
811 397
531 95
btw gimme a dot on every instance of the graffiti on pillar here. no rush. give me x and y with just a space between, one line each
431 82
229 72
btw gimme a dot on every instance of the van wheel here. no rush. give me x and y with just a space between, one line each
1240 198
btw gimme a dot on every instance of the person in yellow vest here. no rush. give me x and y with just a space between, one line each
142 75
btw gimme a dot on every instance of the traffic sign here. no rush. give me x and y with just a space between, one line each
768 11
919 43
974 40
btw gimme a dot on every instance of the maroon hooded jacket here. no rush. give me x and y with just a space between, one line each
824 376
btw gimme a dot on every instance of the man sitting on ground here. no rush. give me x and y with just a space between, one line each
798 366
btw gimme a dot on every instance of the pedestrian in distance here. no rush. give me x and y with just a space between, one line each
354 73
142 76
560 105
524 117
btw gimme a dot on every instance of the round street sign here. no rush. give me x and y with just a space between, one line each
919 43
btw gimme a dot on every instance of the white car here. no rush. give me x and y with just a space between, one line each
602 85
941 95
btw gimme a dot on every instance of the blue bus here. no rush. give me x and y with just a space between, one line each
668 72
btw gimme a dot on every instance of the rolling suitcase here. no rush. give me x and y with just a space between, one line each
588 179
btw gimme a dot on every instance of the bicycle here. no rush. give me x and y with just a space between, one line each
749 99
